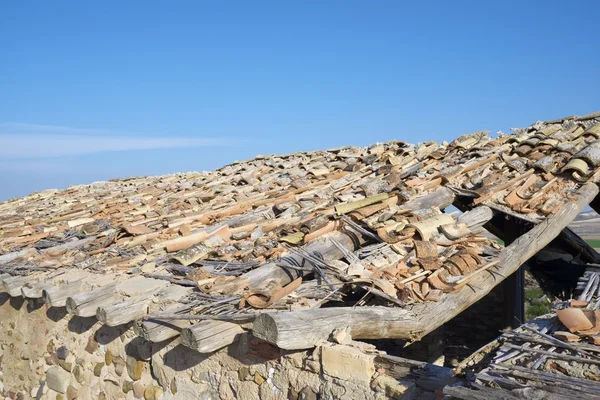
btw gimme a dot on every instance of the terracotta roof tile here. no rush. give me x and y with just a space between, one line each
387 200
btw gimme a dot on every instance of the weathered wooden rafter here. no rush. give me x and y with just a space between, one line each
302 329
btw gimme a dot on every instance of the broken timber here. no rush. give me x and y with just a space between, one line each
302 329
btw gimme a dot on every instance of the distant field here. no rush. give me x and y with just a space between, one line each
593 242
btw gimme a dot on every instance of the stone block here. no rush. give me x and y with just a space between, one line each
153 392
258 379
72 393
57 379
394 389
92 345
295 359
135 368
138 390
347 363
307 393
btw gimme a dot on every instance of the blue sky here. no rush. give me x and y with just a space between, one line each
96 90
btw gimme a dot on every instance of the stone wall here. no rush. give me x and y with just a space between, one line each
47 354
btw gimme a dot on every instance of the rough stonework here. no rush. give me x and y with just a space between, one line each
46 354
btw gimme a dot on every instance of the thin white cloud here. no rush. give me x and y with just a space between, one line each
19 141
20 127
37 166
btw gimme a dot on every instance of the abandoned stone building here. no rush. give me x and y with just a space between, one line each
352 273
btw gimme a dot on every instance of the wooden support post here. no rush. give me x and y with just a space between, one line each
209 336
302 329
513 290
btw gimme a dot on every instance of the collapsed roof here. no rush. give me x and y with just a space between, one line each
293 247
554 356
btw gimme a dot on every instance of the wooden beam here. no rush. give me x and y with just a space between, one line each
8 257
2 277
125 311
13 284
156 330
5 258
57 296
485 393
208 336
86 304
137 306
268 278
302 329
36 290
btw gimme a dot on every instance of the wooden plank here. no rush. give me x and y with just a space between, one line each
302 329
489 191
461 392
548 379
551 354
